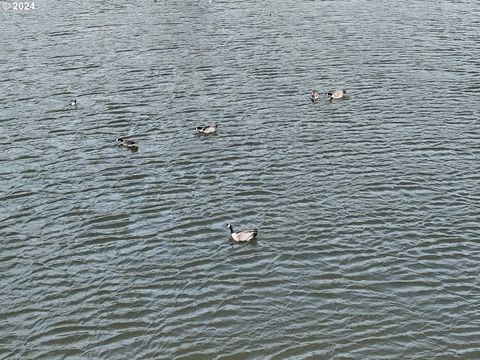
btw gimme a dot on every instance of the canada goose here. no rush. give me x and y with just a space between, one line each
314 95
243 235
337 94
129 144
207 129
73 103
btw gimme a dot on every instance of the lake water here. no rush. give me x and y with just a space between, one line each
368 208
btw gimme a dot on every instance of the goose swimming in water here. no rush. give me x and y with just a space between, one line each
243 235
73 103
206 130
314 95
129 144
337 94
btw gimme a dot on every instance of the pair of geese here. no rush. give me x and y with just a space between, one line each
332 95
132 145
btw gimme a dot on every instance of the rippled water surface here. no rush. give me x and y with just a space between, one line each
368 208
